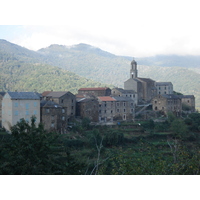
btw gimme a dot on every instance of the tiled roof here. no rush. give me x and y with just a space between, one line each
45 93
51 104
145 79
24 95
106 98
56 94
186 96
95 89
163 83
123 98
171 96
125 91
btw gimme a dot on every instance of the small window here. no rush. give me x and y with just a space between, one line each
47 110
63 118
35 104
27 106
16 104
35 112
63 110
52 117
16 113
52 125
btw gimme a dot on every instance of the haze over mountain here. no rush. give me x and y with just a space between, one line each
93 63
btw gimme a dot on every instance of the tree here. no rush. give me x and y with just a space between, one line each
31 150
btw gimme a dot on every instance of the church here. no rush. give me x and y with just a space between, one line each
144 87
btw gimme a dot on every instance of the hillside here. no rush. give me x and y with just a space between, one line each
21 76
93 63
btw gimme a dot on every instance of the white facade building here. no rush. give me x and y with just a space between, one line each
18 105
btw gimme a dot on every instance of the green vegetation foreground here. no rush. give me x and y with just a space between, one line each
170 147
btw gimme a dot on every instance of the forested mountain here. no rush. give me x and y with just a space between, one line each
18 75
35 68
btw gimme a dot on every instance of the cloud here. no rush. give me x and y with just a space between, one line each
132 28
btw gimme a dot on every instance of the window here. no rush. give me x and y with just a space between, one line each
124 110
63 118
35 104
16 113
35 112
111 111
62 100
72 107
52 125
52 117
27 112
16 104
27 106
105 111
117 110
47 110
63 110
124 103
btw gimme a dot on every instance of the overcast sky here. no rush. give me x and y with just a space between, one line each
125 27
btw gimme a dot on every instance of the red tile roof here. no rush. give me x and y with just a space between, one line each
106 98
99 88
45 93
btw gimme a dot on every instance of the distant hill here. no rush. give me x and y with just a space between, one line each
93 63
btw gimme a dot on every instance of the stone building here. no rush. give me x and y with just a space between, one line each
119 92
53 116
124 108
65 99
116 108
188 103
18 105
106 108
100 91
1 98
167 103
144 87
88 108
164 87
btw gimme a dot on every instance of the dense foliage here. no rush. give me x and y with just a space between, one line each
148 147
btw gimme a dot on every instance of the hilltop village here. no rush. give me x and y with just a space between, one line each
140 97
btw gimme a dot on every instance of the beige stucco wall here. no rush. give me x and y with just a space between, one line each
14 110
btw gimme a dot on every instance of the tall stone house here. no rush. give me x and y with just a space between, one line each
188 103
53 116
167 103
88 108
164 88
115 108
65 99
18 105
120 92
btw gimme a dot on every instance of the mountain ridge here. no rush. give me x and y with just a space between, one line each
103 67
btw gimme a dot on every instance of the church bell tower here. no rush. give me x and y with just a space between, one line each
133 70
